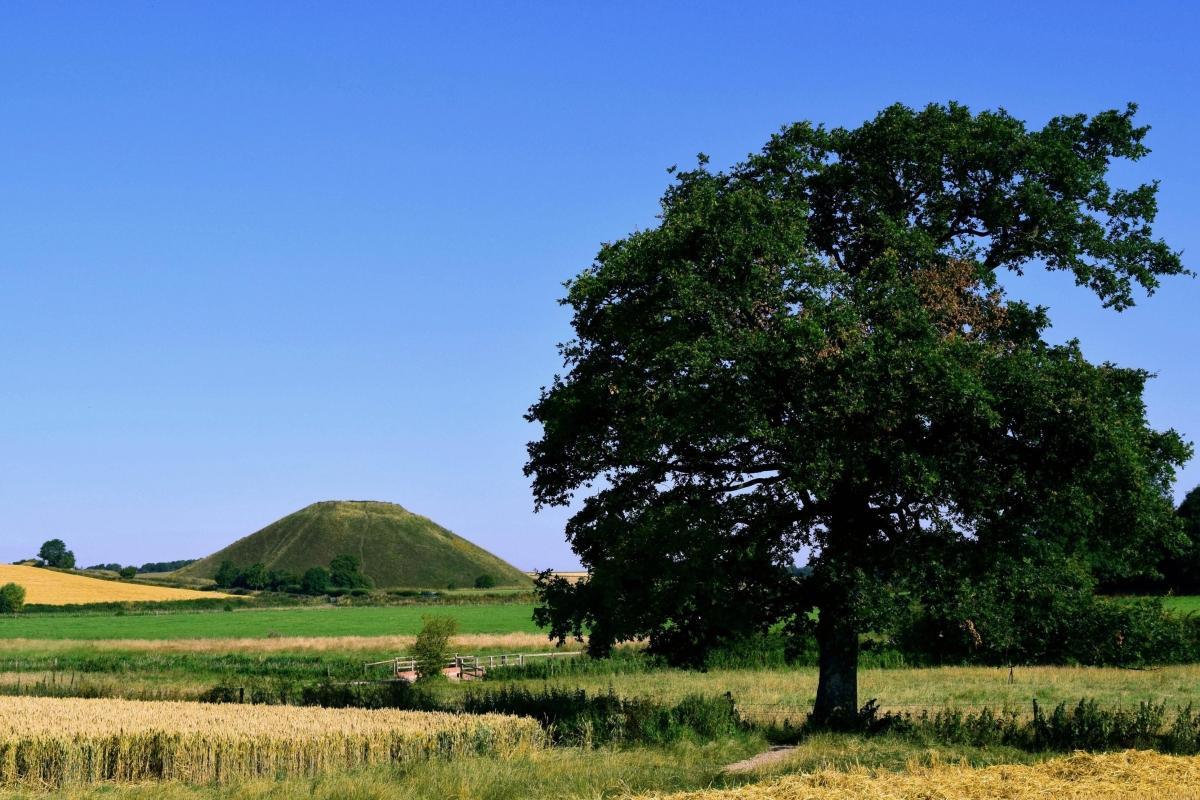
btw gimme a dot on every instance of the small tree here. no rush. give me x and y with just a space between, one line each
315 581
485 582
128 572
12 598
253 577
55 553
345 571
432 647
227 573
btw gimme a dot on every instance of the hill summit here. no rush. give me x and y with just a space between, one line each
397 547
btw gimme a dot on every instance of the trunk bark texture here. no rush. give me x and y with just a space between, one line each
837 679
837 626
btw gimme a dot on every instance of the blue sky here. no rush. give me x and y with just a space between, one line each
254 255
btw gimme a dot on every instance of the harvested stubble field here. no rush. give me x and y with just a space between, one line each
1129 775
54 742
51 588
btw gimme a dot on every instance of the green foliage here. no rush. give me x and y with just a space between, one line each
55 553
485 581
226 575
432 647
345 572
812 351
1086 726
315 581
573 717
253 577
1181 569
396 548
12 598
165 566
128 572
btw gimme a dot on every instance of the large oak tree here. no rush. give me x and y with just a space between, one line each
811 356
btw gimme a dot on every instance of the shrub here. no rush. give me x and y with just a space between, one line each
315 581
128 572
252 577
485 582
12 598
345 571
571 716
226 574
432 646
1086 726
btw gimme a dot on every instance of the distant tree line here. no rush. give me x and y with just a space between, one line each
343 574
150 566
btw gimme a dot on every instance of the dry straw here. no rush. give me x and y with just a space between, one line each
1128 775
47 742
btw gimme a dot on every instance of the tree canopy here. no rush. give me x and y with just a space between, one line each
811 355
55 553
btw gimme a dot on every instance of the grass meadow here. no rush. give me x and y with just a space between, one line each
304 621
154 656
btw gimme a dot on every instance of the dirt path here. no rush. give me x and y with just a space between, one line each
763 759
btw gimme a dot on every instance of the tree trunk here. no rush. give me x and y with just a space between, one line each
837 680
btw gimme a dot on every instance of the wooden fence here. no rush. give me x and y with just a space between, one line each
466 666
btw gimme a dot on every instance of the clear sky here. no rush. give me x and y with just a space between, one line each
255 255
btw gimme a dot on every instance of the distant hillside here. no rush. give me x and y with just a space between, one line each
397 548
53 588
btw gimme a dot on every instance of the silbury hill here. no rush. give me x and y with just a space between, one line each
398 549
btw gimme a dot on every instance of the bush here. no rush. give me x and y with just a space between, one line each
12 598
1086 726
345 572
315 581
227 574
1096 632
573 717
485 582
253 577
128 572
431 650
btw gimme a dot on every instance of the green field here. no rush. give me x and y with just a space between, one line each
259 623
1187 604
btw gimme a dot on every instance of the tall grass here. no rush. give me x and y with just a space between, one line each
54 742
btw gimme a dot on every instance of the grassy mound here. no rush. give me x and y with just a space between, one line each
397 548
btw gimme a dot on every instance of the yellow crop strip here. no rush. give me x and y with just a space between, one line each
48 587
1125 776
47 742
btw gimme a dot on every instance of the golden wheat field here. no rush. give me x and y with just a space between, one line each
53 741
48 587
1124 776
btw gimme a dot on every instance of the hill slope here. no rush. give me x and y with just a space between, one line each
52 588
397 547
